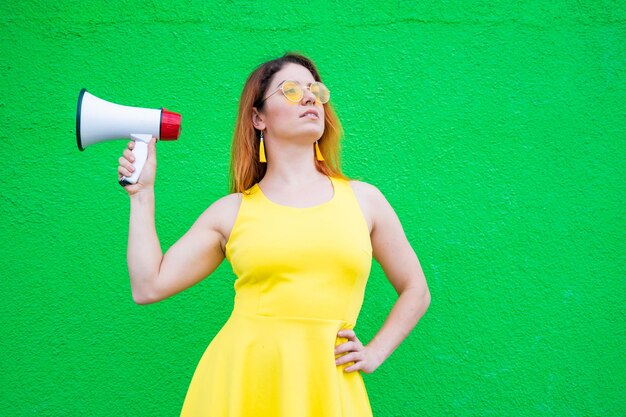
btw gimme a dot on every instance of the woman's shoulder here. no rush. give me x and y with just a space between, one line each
223 209
221 214
228 203
364 189
368 196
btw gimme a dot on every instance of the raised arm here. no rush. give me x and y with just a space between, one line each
154 276
191 259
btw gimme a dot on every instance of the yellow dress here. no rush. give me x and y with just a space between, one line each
301 277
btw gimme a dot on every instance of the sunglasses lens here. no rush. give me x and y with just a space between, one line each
292 90
320 91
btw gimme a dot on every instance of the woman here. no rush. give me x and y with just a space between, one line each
300 237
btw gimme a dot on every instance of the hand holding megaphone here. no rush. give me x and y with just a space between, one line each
128 161
98 120
138 157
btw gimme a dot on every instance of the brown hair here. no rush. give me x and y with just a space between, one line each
245 168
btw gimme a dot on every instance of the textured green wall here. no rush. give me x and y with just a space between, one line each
495 130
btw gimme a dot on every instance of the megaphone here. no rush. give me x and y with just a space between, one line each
98 120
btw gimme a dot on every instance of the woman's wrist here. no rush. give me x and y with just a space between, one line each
143 195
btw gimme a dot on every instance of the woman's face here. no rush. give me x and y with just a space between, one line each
281 118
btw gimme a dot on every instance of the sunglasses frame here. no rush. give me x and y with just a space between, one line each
282 85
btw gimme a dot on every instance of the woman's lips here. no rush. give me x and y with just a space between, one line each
310 112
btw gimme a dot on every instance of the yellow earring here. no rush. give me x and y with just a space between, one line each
318 153
262 150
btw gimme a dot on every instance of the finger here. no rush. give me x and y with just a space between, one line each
347 333
126 164
345 347
123 171
128 154
131 144
352 368
152 148
349 357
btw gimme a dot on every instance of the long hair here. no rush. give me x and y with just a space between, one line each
245 167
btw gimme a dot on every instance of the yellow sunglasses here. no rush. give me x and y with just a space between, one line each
294 91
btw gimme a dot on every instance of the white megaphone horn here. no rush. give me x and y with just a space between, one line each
98 120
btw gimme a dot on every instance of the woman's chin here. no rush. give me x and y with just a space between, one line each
313 133
306 133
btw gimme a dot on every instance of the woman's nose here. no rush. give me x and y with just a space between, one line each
308 96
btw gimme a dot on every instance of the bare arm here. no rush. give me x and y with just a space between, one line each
154 276
144 250
394 253
191 259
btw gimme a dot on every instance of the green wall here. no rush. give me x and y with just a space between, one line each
495 130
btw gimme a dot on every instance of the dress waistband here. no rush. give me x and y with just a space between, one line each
313 320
